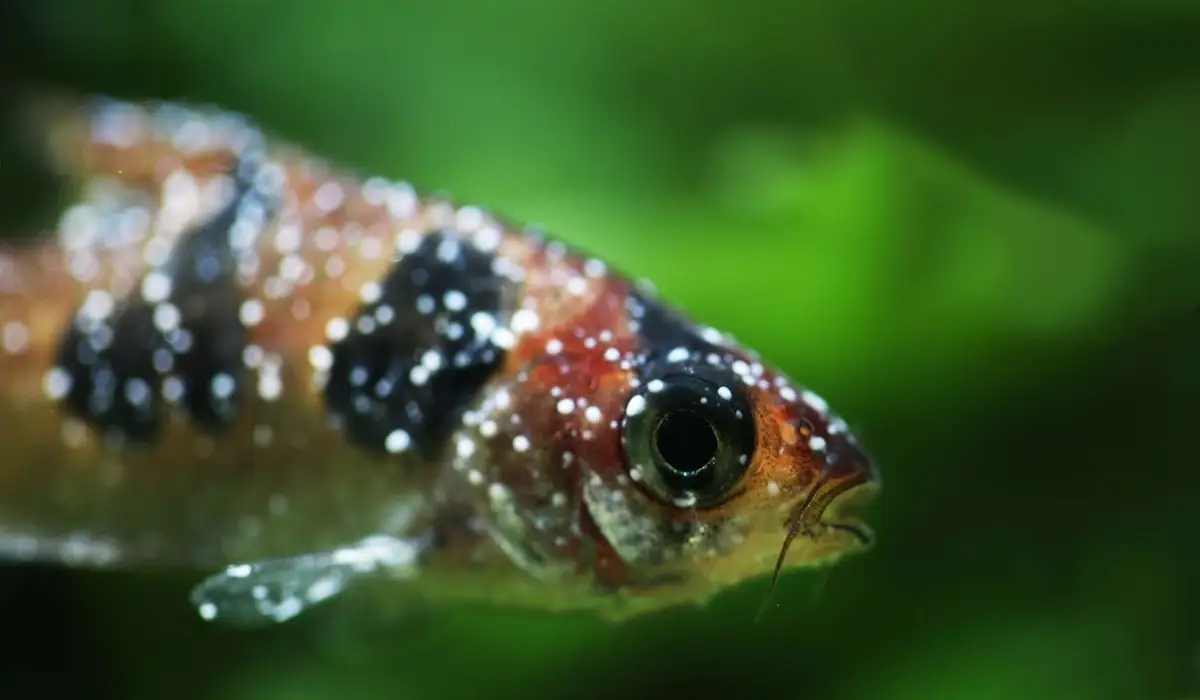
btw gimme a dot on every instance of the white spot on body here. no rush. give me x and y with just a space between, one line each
370 292
455 300
337 329
57 383
397 441
251 312
156 287
15 337
320 358
464 447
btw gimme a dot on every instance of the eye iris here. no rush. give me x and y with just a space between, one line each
686 442
689 438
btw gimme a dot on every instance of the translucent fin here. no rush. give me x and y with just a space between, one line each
276 590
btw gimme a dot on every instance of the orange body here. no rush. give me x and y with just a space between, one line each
516 471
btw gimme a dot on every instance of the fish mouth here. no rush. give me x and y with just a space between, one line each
847 481
841 509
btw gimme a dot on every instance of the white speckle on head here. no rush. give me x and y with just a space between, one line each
816 443
577 286
678 355
772 488
594 267
554 346
483 323
593 414
520 443
503 338
725 393
525 321
812 399
712 335
566 406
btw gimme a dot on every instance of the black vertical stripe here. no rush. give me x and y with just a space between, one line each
417 355
178 335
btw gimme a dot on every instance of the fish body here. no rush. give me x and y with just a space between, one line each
235 357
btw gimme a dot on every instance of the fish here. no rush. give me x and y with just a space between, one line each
234 357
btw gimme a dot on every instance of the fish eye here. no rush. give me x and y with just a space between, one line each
689 439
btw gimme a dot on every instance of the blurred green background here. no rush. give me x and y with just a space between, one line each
974 227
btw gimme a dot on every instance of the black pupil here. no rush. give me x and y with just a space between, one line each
686 441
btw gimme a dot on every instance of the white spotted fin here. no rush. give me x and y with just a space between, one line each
276 590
